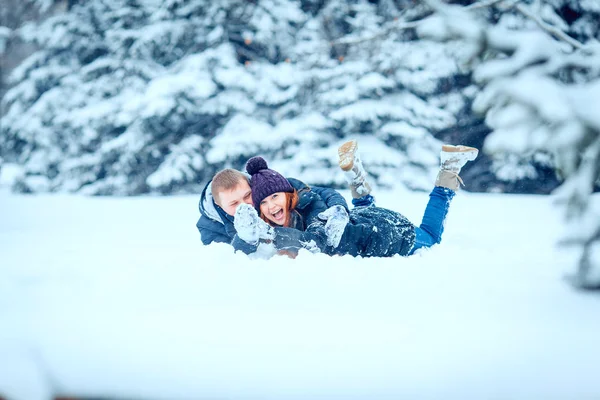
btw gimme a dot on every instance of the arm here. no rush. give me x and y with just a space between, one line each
246 248
214 232
211 231
336 215
292 240
253 231
331 197
286 241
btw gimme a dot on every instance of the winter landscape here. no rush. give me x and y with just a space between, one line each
115 115
117 298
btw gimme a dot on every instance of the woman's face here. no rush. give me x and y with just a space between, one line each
274 208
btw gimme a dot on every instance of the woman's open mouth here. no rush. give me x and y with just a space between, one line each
278 215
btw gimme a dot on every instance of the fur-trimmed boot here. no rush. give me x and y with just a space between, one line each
355 174
452 159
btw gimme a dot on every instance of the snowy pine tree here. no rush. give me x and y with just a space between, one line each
541 86
134 96
112 91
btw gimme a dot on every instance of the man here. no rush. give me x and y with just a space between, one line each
225 192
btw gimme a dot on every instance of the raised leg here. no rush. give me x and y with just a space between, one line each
447 183
432 226
355 174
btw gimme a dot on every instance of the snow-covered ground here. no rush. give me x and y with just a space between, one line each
116 297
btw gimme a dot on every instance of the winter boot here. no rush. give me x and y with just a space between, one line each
452 159
355 174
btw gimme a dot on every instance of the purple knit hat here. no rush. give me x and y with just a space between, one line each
264 181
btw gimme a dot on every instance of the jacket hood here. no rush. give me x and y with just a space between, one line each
214 221
208 207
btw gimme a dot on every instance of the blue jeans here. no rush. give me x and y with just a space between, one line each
364 201
432 225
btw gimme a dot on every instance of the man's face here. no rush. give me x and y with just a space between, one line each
230 199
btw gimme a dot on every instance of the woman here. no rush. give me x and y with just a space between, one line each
367 230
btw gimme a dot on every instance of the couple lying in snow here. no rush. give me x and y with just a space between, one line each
265 213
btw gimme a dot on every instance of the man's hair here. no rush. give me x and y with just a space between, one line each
226 179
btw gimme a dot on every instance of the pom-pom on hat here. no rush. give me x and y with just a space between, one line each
264 181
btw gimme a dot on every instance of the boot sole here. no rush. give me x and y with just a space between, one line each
471 151
346 154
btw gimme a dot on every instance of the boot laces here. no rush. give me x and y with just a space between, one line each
457 176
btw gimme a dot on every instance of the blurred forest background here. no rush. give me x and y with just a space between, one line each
129 97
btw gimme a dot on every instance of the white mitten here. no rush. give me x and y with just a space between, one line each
250 228
337 218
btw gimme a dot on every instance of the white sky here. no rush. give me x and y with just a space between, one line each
117 297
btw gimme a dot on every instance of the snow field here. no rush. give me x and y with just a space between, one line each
116 297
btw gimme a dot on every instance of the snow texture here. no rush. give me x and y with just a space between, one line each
132 306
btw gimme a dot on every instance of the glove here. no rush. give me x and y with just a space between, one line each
250 228
337 218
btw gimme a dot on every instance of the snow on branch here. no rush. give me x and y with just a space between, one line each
538 95
395 26
444 9
548 28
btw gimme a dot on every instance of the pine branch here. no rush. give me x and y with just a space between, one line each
384 32
439 6
482 4
549 28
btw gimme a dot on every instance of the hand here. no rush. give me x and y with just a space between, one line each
250 228
337 218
